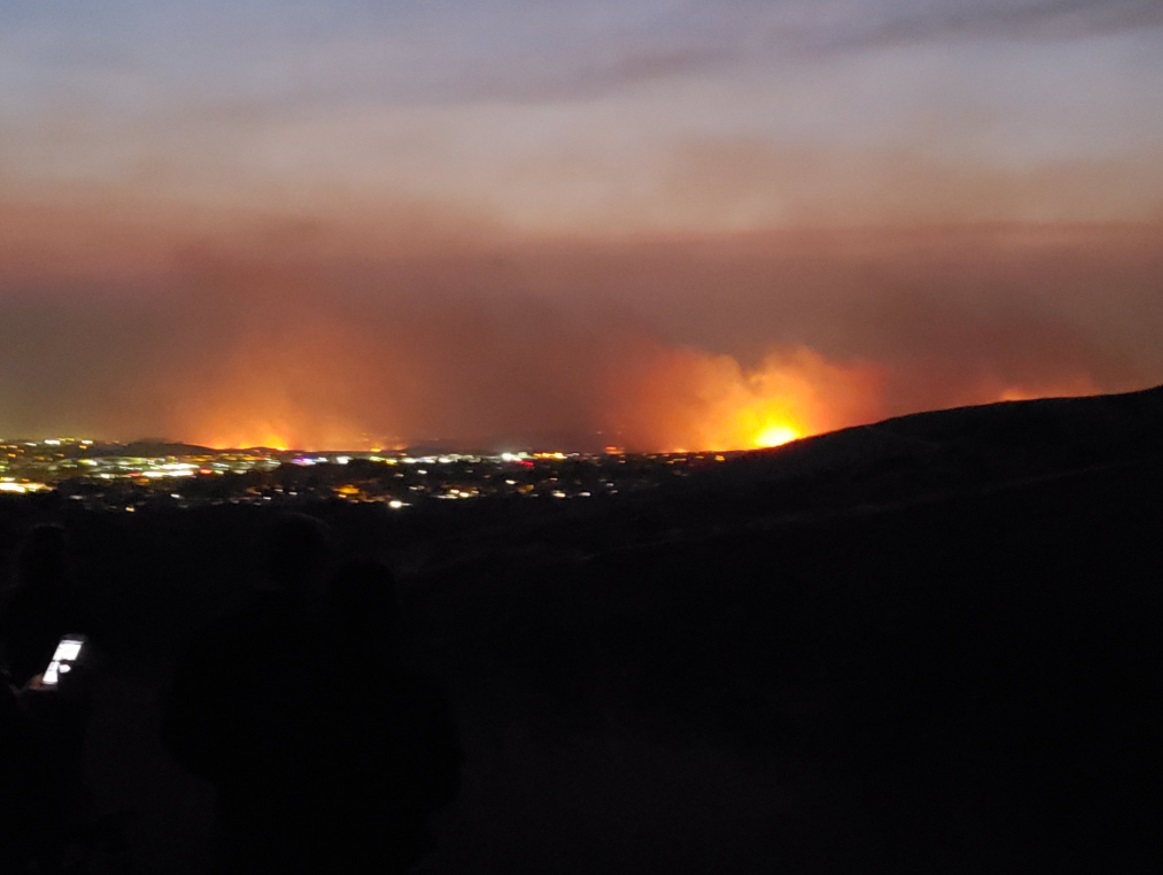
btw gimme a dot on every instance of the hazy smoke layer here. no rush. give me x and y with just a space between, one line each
272 332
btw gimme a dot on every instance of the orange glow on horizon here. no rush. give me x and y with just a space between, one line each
777 435
661 399
304 432
244 439
286 383
1074 388
234 424
704 402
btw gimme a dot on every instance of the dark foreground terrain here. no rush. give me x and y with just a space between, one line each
930 645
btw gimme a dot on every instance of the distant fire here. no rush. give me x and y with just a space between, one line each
244 437
672 400
777 435
238 425
285 385
333 388
244 423
687 400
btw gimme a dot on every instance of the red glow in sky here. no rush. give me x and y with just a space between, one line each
611 223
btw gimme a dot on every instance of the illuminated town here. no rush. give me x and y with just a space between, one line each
125 477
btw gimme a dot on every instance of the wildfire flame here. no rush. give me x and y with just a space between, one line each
659 400
283 386
694 401
245 436
777 435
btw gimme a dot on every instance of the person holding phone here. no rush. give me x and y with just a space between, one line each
40 606
47 697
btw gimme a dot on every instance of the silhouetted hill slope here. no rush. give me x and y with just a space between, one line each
154 448
968 682
955 450
923 457
928 645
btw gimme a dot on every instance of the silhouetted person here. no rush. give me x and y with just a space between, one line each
20 804
40 607
396 754
44 807
325 754
36 613
246 713
300 558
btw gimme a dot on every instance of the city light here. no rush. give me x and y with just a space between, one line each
121 477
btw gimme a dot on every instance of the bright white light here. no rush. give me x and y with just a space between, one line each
396 504
69 648
342 460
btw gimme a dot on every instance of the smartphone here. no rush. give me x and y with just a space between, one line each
68 651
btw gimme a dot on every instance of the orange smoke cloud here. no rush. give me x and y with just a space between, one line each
287 332
688 400
314 388
286 384
310 390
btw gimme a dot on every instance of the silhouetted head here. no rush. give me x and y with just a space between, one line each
300 555
362 601
43 560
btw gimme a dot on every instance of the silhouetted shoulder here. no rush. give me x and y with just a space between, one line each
21 780
224 680
40 607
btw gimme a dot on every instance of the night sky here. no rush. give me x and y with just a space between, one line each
651 223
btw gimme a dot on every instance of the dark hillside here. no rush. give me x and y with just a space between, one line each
968 684
929 645
939 635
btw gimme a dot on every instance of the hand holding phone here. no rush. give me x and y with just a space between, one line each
69 651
